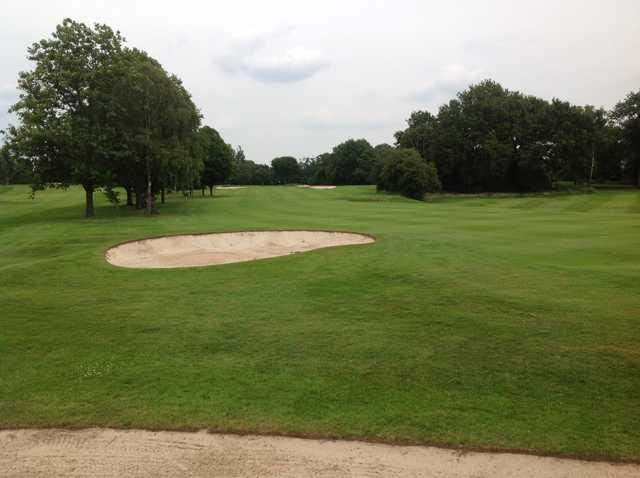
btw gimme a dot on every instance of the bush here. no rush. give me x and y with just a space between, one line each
405 172
286 169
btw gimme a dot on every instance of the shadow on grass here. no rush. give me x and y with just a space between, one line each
103 212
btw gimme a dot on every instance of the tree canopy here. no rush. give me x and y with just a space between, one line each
405 171
627 115
217 157
95 112
156 122
285 169
64 104
491 139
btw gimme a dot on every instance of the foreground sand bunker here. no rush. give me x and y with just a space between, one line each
224 248
137 453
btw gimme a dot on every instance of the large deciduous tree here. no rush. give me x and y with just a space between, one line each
64 102
156 122
95 113
351 162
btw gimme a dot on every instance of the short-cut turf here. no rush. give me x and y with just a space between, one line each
498 323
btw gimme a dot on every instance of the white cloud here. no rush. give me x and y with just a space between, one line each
451 80
292 65
245 55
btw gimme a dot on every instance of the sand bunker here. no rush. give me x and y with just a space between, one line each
137 453
316 187
224 248
231 187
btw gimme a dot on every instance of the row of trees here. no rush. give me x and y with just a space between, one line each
488 139
245 171
14 170
351 162
354 161
491 139
97 113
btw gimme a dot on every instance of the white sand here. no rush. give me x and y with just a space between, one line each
224 248
136 453
231 187
315 187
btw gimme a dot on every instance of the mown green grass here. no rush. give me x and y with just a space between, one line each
489 322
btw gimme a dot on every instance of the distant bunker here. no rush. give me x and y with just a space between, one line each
197 250
316 187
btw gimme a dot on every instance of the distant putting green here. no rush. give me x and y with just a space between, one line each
499 323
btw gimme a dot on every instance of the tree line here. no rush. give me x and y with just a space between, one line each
486 139
97 113
491 139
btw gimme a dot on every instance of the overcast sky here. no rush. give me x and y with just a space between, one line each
298 77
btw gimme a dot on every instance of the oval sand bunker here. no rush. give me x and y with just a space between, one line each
223 248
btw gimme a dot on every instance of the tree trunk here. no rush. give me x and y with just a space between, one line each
129 196
210 190
593 164
88 192
149 202
203 191
162 193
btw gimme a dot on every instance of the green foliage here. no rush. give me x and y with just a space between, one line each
285 169
240 156
64 103
316 170
112 195
380 152
491 139
6 165
245 171
419 134
406 172
217 157
350 162
13 168
627 115
156 122
96 113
